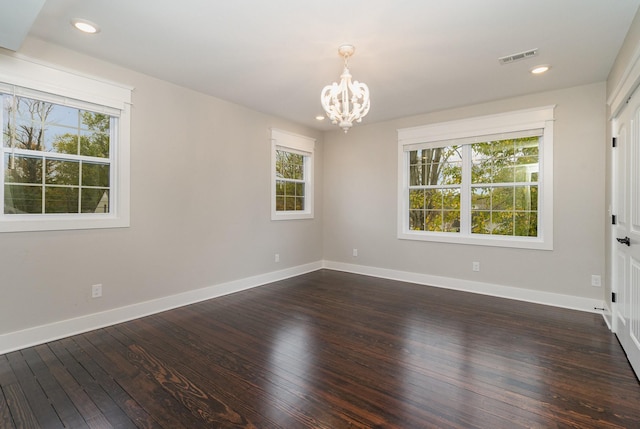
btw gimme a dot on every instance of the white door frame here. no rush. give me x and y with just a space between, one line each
618 99
623 271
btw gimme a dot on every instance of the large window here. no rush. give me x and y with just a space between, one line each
483 181
291 176
64 159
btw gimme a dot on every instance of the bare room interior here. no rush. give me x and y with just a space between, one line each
346 214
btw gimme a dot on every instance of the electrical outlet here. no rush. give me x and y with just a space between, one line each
277 257
596 281
475 266
355 252
96 291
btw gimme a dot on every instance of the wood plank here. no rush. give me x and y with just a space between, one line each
7 376
21 411
95 367
87 408
38 401
108 408
6 421
64 408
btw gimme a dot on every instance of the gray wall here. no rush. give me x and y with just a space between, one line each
361 199
200 209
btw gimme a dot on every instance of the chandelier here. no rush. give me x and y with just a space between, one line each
345 102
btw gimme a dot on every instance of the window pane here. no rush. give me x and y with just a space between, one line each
505 161
30 117
289 165
432 199
61 139
289 195
290 188
95 140
7 119
64 116
433 220
481 152
62 172
416 220
527 146
94 174
20 199
451 199
27 135
22 169
42 126
480 222
502 150
526 198
290 203
503 173
415 174
502 198
482 171
481 198
435 199
451 221
95 200
526 173
61 200
527 160
502 223
438 166
416 199
526 224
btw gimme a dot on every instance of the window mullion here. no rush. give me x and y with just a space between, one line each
465 191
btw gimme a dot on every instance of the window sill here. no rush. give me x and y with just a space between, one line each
291 215
26 223
477 240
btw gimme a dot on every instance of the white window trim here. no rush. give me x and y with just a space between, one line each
304 146
467 129
26 73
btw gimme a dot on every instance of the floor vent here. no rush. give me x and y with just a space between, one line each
519 56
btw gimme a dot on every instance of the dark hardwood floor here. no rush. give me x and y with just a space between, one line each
330 350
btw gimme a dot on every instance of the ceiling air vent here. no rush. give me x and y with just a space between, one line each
517 57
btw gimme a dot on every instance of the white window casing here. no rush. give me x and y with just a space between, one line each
510 125
23 77
301 145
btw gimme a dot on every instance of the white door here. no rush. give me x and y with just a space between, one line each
626 231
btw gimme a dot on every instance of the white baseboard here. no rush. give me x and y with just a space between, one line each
519 294
65 328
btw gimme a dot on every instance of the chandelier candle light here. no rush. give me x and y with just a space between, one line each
348 101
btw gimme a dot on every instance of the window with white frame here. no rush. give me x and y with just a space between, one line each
484 180
291 176
65 150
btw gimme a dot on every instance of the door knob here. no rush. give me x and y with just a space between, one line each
625 240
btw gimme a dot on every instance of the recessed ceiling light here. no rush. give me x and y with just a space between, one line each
85 26
320 118
540 69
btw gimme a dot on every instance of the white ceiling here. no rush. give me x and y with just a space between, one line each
275 56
